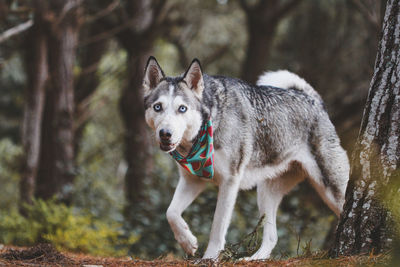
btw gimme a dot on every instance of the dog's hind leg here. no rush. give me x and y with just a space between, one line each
269 196
328 172
186 191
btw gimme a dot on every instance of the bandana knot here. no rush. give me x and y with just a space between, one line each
200 159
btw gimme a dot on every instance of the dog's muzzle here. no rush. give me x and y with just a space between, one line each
165 140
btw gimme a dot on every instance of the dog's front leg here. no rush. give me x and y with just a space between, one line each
227 194
186 191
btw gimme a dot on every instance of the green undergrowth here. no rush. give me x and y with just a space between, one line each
65 228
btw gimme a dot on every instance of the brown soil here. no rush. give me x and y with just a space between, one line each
47 255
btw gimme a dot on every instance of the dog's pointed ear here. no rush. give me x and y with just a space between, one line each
152 75
193 77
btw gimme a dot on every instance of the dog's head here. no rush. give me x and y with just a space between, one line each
173 104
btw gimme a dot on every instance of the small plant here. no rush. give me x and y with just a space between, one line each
48 221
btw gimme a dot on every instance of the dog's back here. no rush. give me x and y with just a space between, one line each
280 122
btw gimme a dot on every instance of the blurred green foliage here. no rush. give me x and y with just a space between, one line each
9 173
99 184
48 221
12 80
391 200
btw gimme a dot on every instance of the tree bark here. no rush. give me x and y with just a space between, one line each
37 72
366 223
148 18
258 47
262 21
137 137
56 169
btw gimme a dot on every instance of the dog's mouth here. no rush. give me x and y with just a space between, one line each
167 147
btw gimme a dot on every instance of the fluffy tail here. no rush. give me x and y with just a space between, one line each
285 79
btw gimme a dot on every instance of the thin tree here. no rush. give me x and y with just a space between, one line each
368 221
37 73
146 20
262 22
58 24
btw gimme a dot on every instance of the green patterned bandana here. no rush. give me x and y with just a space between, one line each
200 160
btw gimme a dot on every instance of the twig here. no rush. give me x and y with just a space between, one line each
373 19
15 30
183 57
104 12
216 54
66 9
286 8
298 244
232 251
107 34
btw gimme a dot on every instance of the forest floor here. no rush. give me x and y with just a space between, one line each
47 255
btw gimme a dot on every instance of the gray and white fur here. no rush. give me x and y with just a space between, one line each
271 136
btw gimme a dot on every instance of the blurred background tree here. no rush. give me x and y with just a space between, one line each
72 121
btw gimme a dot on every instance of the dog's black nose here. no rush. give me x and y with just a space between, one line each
165 135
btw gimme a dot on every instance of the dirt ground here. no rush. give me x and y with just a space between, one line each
47 255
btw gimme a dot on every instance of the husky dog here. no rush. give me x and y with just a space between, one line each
270 136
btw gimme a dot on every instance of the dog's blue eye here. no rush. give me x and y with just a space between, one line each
157 107
182 109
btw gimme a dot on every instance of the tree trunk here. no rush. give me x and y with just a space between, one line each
137 138
56 169
366 223
262 21
37 72
258 48
138 42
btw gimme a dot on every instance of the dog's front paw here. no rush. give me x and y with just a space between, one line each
187 241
